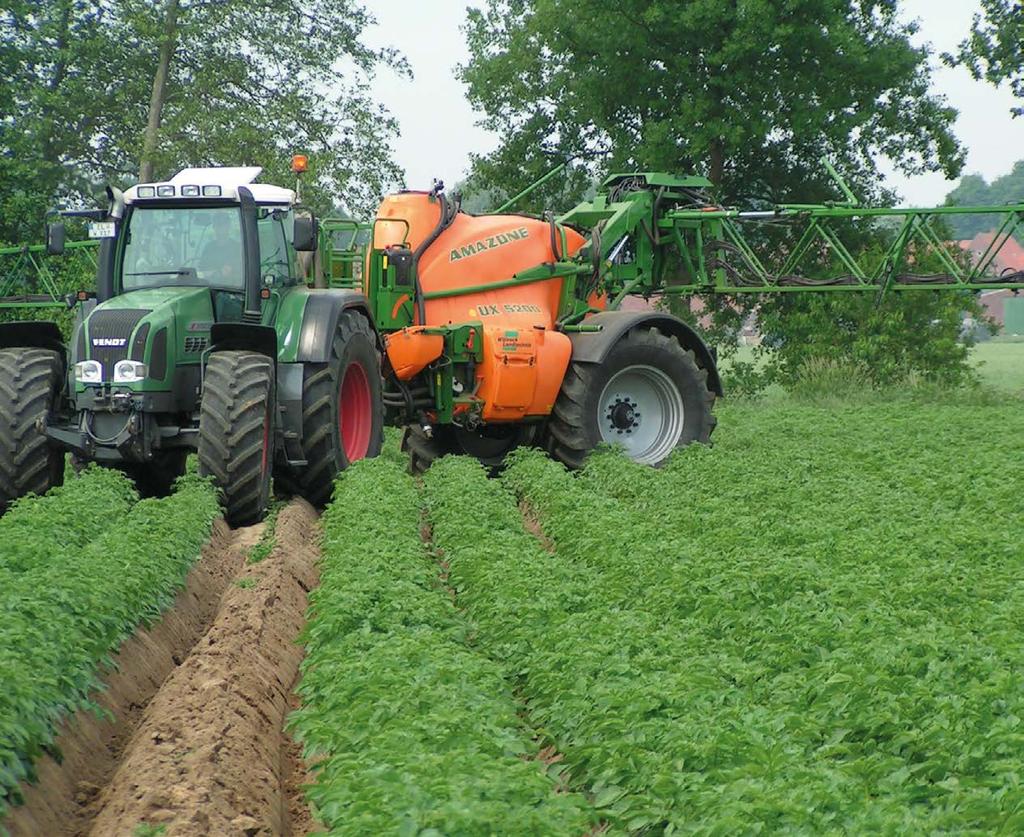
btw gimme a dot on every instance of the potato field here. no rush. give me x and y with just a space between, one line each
811 627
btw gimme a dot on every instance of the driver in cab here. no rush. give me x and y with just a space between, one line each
221 259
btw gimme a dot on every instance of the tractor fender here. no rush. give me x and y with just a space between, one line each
32 334
320 322
247 337
593 346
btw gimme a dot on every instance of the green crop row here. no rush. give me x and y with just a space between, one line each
62 616
834 642
34 528
408 729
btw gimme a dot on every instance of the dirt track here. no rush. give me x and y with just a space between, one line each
198 705
209 756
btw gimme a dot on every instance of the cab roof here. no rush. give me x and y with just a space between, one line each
229 178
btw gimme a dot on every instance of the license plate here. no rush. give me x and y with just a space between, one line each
102 229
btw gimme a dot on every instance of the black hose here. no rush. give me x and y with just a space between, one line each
449 212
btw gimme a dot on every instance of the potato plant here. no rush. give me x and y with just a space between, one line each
69 604
832 620
408 728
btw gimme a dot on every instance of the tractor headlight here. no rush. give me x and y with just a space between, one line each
89 372
129 371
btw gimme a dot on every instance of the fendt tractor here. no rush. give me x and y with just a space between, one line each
202 336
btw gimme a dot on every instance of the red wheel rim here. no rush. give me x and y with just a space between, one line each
355 413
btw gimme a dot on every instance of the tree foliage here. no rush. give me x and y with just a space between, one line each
972 190
995 49
248 82
753 92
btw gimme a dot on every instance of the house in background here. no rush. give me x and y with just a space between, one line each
1003 306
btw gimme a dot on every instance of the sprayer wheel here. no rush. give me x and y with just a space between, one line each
489 444
648 395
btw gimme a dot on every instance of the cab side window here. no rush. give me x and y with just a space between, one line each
274 261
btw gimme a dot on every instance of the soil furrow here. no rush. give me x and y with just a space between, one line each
210 756
63 801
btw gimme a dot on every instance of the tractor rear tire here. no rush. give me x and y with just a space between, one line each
236 432
342 411
648 395
30 385
489 445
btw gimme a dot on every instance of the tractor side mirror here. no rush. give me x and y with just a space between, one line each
305 234
55 239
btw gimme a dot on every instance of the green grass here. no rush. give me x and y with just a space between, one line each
1001 365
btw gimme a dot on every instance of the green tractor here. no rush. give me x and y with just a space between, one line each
203 337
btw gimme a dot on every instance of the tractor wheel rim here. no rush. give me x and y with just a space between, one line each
641 409
355 413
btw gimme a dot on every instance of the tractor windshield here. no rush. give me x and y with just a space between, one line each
183 246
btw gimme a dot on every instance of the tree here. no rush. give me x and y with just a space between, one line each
96 91
750 92
54 94
995 49
251 81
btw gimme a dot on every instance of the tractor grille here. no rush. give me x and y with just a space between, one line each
116 327
194 345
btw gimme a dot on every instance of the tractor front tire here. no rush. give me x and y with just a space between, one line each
30 385
236 432
648 395
342 410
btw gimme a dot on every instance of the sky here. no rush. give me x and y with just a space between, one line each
439 131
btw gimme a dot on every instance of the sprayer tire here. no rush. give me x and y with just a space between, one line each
30 384
573 429
236 432
423 450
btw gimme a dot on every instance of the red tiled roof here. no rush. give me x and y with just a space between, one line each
1010 255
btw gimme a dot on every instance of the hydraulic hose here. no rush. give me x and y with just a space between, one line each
449 212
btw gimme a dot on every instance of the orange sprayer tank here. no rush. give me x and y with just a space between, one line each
524 357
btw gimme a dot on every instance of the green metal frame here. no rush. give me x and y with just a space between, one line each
343 245
27 280
693 246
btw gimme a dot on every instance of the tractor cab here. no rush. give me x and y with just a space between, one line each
210 228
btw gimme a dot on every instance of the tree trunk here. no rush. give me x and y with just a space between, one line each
50 152
156 100
716 168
